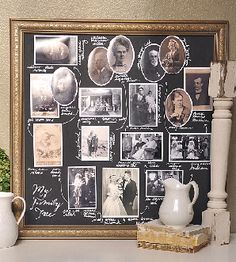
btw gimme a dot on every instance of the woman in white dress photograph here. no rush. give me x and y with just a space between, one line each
113 206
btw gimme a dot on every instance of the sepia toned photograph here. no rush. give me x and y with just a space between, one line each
172 54
64 86
143 104
178 107
42 102
150 65
95 143
141 146
120 54
196 81
100 102
155 178
47 139
82 189
189 147
98 67
120 192
55 50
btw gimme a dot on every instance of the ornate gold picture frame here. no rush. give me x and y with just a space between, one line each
31 168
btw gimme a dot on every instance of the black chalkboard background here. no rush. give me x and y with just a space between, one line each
200 49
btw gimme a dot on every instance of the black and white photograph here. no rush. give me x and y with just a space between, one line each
55 50
172 54
178 107
141 146
95 143
120 192
120 54
47 144
82 189
64 86
150 64
43 104
98 67
100 102
189 147
143 104
196 81
155 178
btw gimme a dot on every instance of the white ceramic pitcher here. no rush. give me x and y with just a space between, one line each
176 209
8 223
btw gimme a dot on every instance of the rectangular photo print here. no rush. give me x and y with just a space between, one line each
141 146
120 192
100 102
95 142
196 81
155 178
189 147
143 104
82 189
47 142
42 104
55 50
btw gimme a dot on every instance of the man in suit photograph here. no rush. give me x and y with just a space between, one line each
129 193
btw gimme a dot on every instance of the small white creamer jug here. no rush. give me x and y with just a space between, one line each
176 209
8 223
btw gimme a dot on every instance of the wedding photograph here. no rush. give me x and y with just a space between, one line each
82 189
189 147
120 192
143 104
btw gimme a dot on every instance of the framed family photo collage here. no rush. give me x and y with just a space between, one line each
101 114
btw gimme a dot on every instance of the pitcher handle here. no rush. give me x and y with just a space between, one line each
24 208
196 192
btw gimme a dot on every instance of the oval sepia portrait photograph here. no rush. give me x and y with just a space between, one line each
98 67
64 86
150 65
172 54
120 54
178 107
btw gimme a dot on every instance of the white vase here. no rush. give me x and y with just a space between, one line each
176 209
8 223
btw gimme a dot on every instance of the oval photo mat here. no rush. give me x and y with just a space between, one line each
152 73
130 54
64 86
99 69
172 61
187 107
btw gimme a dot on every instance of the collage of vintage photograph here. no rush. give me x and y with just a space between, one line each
107 117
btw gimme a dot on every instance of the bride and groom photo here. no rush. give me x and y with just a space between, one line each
120 192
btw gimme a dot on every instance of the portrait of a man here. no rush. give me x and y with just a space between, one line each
150 66
196 84
120 54
98 67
